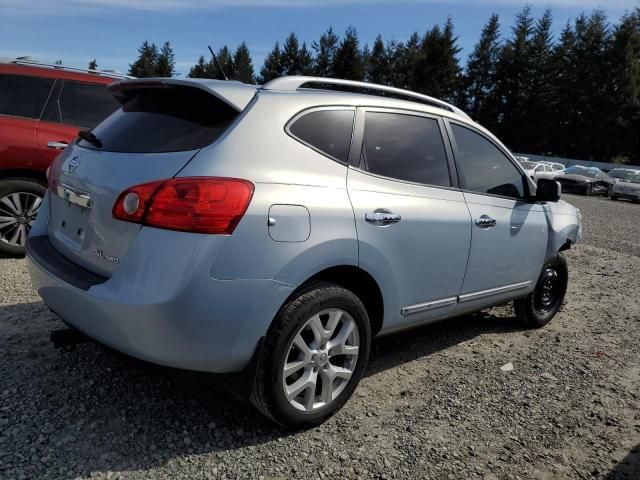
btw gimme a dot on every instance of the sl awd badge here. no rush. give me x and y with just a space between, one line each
109 258
73 164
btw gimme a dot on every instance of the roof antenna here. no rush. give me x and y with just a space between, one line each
217 62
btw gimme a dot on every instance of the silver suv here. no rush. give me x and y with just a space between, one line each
268 233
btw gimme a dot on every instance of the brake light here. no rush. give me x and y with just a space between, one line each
193 204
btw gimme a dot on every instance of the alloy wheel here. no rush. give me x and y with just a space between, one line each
18 212
320 360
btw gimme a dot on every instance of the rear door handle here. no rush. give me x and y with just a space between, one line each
485 221
382 217
57 145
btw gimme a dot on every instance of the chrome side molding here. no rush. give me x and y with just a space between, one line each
467 297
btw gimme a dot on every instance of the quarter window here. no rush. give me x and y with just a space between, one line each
405 147
85 105
484 167
23 96
326 130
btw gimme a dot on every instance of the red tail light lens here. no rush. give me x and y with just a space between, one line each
193 204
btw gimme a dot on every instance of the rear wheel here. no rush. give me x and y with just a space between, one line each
20 200
613 197
540 306
314 356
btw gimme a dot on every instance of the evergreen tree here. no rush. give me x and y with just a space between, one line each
325 51
165 66
291 56
378 63
199 70
305 60
93 65
409 62
145 65
242 65
348 62
437 72
272 67
480 77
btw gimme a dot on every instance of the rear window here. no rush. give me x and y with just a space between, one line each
328 131
156 120
23 96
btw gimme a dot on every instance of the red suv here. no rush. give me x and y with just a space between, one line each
42 108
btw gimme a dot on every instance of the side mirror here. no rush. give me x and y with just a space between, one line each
548 190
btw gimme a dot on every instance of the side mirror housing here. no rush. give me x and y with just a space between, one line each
547 190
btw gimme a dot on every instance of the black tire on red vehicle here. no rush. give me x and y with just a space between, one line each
20 199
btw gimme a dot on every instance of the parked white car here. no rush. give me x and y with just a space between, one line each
538 170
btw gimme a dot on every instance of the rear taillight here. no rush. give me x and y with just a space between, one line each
192 204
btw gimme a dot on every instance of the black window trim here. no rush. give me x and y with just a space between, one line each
358 138
528 198
36 119
306 111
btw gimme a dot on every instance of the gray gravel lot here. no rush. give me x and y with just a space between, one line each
434 403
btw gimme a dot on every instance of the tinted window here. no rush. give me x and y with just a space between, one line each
22 96
327 130
85 105
154 120
484 167
405 147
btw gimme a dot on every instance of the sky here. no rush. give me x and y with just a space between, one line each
76 31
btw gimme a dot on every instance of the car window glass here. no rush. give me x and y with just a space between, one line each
155 120
405 147
23 96
484 167
326 130
85 105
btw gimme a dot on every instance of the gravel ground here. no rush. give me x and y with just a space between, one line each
434 403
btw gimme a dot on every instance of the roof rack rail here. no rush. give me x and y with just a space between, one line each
292 83
30 61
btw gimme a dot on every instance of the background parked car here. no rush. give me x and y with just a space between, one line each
622 173
556 167
585 181
538 170
42 107
628 187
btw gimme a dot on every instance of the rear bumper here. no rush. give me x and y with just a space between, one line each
192 322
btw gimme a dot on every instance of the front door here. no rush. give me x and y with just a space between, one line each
413 225
509 230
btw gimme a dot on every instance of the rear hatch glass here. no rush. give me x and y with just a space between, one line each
155 133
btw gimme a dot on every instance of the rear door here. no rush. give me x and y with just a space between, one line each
413 225
72 106
155 133
509 232
22 99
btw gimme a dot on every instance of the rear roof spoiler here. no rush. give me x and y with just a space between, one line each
235 94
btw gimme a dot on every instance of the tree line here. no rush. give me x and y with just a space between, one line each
575 96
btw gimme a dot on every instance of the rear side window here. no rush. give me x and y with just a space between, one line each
23 96
328 131
84 104
405 147
163 119
484 167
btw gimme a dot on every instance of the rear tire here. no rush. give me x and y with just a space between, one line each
20 199
613 197
539 307
318 345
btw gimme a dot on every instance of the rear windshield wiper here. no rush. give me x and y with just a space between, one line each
90 137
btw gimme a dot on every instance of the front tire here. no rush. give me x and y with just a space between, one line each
20 200
313 357
539 307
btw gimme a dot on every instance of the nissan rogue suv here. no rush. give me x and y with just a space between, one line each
42 107
268 233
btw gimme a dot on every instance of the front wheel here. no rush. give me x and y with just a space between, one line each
314 356
540 306
20 200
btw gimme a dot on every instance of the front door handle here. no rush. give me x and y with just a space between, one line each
485 221
382 217
57 145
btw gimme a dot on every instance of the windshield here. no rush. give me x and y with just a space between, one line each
528 165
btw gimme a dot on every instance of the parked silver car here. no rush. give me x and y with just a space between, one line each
269 233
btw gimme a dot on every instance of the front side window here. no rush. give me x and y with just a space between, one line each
328 131
85 105
23 96
484 167
405 147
